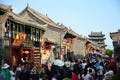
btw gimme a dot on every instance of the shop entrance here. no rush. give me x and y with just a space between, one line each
21 55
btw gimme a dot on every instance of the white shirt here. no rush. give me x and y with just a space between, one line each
109 74
53 78
88 77
67 63
83 65
12 75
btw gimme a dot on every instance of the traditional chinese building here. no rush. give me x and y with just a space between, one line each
33 37
115 36
54 33
68 42
98 38
20 36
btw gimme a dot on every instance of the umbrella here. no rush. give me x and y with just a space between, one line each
58 62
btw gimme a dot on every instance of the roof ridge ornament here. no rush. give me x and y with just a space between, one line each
27 5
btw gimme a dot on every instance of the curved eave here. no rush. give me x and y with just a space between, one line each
96 35
41 17
97 38
113 34
81 38
5 8
19 20
103 45
71 32
73 35
50 41
28 24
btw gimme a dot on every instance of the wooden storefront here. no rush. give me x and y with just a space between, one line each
21 39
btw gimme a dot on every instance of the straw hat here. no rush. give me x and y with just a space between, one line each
5 66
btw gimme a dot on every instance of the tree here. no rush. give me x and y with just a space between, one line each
109 52
3 53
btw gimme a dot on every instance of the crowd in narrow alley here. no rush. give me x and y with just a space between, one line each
91 68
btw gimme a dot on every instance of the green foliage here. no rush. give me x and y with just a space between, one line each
108 52
3 53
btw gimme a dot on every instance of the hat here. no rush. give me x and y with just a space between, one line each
5 66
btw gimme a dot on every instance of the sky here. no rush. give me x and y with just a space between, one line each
82 16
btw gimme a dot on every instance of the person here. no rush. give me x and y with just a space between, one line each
34 73
6 71
12 73
88 75
2 76
108 75
67 63
55 75
24 75
75 74
100 72
113 65
18 70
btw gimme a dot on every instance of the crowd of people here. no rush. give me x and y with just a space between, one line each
95 68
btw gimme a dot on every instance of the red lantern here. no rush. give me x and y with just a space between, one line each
44 52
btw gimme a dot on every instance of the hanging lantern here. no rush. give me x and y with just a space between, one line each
41 39
24 36
31 37
17 36
34 39
9 34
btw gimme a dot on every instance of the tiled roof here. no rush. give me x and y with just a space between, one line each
3 18
50 41
69 30
40 16
5 7
96 34
17 17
